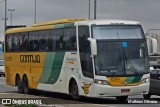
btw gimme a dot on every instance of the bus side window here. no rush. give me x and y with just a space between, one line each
59 39
44 40
33 41
16 42
9 42
70 38
85 51
23 37
53 41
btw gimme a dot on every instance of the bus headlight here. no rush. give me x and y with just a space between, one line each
145 80
103 82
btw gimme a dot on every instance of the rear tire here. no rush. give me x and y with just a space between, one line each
74 90
25 85
147 96
19 84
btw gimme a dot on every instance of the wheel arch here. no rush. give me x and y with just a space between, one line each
70 83
24 75
17 75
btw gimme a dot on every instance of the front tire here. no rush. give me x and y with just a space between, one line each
147 96
74 89
122 98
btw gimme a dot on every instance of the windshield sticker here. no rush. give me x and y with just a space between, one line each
124 44
71 60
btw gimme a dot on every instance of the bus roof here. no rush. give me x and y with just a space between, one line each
61 21
70 22
45 25
108 22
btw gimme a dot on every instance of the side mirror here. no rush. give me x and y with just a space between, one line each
141 52
93 45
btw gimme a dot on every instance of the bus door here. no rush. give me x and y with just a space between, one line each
85 60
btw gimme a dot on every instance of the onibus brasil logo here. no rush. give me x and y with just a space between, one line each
21 101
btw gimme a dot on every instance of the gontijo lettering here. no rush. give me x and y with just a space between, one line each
30 58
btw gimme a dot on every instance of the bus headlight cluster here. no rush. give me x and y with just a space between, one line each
103 82
145 80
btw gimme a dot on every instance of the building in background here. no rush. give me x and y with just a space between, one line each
153 42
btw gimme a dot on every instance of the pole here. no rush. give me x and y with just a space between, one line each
11 18
89 9
35 13
5 19
11 10
95 8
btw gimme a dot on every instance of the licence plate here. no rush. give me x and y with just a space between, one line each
125 90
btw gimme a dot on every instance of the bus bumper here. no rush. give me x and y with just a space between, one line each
107 90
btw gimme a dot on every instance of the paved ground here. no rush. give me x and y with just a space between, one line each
62 100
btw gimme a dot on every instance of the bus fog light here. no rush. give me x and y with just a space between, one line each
145 80
103 82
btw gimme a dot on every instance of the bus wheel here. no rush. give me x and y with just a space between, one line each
19 84
25 85
121 98
74 89
147 96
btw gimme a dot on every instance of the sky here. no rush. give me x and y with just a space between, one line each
147 12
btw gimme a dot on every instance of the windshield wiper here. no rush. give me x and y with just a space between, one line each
128 62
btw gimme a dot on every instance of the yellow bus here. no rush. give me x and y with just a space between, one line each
80 57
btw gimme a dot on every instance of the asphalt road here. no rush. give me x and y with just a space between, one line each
6 88
62 100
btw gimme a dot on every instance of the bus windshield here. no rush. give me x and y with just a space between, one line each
115 59
117 32
121 50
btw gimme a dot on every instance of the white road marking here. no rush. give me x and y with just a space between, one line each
6 93
2 83
103 105
2 78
